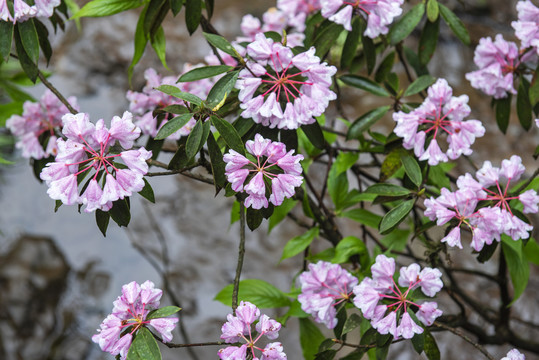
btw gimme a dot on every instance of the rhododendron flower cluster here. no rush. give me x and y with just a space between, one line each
485 222
497 61
272 163
89 147
283 90
527 26
298 10
129 315
273 20
142 104
388 305
440 112
239 327
324 287
379 13
39 124
23 11
514 355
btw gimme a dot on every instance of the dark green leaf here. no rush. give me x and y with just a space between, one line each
173 125
29 38
430 347
221 43
391 164
6 110
385 67
387 190
314 134
43 36
364 84
107 7
347 247
222 88
531 251
299 243
158 43
326 355
147 192
433 11
144 347
174 91
486 253
140 43
176 109
259 292
369 51
418 341
102 220
176 6
428 41
162 312
524 107
355 355
364 217
534 88
120 212
6 35
204 73
455 24
26 62
310 338
217 163
210 4
406 24
413 60
351 323
326 345
229 134
365 121
412 169
193 14
395 216
503 112
337 188
153 17
419 84
326 39
351 43
253 218
518 266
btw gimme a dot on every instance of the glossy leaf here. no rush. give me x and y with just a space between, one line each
387 190
174 91
102 220
314 134
299 243
144 346
428 41
534 88
154 16
147 192
193 140
140 43
26 62
259 292
364 83
337 188
503 112
6 36
406 24
366 121
310 338
524 107
412 169
395 216
220 43
518 266
347 247
217 163
107 7
351 43
253 218
229 134
29 38
326 39
385 67
419 84
204 73
193 14
369 51
176 6
162 312
353 321
455 24
172 126
158 43
430 347
120 212
222 88
433 11
176 109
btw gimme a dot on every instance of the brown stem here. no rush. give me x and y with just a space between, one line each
241 254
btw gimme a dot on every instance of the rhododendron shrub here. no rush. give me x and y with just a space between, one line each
328 115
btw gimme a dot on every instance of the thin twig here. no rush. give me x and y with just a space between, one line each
241 254
465 338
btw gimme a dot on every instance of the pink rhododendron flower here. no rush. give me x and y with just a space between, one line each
387 305
514 354
23 11
324 287
497 62
298 10
39 125
283 90
239 327
485 222
129 315
379 13
271 163
440 112
527 26
88 149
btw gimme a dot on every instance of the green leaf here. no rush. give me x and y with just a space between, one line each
102 220
418 341
106 7
144 347
162 312
140 43
428 41
433 11
455 24
412 169
353 321
9 109
337 188
524 107
173 125
531 251
120 212
43 37
347 247
229 134
503 112
217 163
396 240
6 35
176 6
364 84
259 292
253 218
314 134
26 62
406 24
430 347
310 338
204 73
221 43
369 50
193 14
326 39
395 216
387 190
222 88
193 140
174 91
364 217
534 88
154 16
147 192
391 164
158 43
350 44
176 109
518 266
280 213
29 38
299 243
419 84
385 67
365 121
